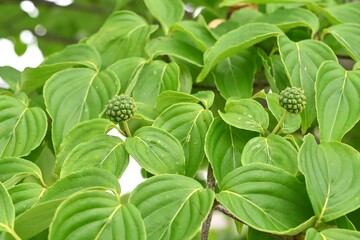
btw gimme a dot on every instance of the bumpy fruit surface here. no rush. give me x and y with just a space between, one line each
120 108
293 99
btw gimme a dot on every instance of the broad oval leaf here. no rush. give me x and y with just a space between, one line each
273 150
262 196
96 215
13 170
302 60
337 100
331 173
287 19
22 128
155 78
346 34
226 156
233 2
103 151
331 234
169 98
38 218
170 46
236 41
344 13
172 206
234 76
25 195
166 12
198 33
188 122
156 150
81 133
7 211
84 95
246 114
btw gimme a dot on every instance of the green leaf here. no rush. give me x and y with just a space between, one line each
81 133
103 151
345 13
96 215
166 12
262 196
291 123
146 112
169 98
39 217
234 76
198 33
126 69
157 151
233 2
13 170
206 98
22 128
188 122
226 156
337 100
84 95
11 76
235 41
155 78
7 211
172 206
246 114
123 35
346 34
74 55
302 60
287 19
171 46
273 150
331 173
331 234
25 195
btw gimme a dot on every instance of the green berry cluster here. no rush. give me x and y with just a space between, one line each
293 99
120 108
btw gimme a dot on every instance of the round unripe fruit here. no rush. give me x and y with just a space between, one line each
293 99
120 108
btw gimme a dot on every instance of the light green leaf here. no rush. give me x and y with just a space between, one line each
157 151
11 76
154 79
13 170
337 100
81 133
102 151
226 156
172 206
331 234
345 13
146 112
234 76
246 114
25 195
169 98
39 217
96 215
235 41
273 150
346 34
123 35
198 33
166 12
126 69
74 55
188 122
233 2
7 211
302 60
171 46
291 123
206 98
287 19
22 128
262 196
84 95
331 173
